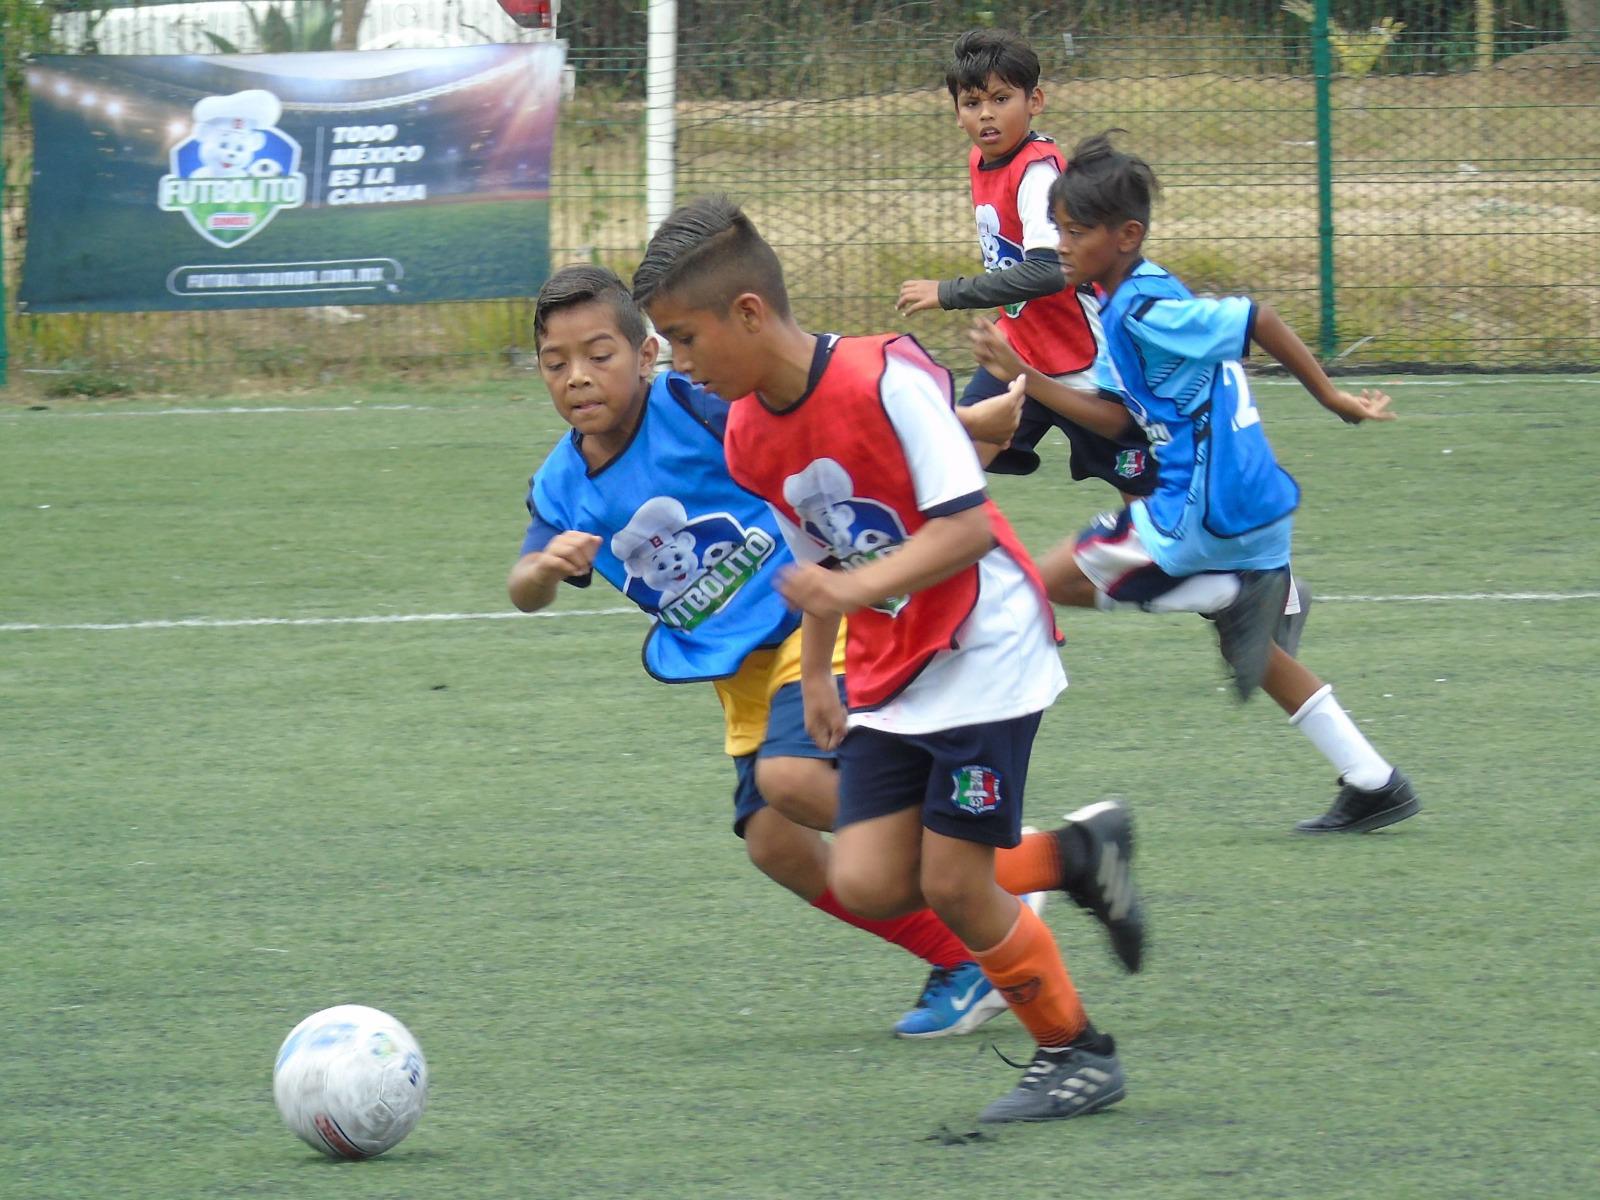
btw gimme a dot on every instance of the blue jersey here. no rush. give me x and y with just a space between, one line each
677 536
1221 502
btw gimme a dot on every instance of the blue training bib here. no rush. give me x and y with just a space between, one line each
678 537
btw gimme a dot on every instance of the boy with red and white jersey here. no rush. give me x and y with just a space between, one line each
993 79
951 648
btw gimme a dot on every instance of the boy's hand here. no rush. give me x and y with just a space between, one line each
826 720
993 352
568 554
995 420
1370 405
818 591
918 295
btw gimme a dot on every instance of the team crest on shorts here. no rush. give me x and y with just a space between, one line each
1130 463
977 790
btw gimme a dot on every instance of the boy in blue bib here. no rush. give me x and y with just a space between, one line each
1214 536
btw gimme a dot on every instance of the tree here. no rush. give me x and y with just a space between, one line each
351 14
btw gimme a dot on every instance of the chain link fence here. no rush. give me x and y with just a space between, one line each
1429 198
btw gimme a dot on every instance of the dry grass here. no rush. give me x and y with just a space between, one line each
1467 214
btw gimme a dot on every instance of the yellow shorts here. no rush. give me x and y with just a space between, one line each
746 695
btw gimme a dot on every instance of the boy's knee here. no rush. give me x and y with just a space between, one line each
865 894
1064 580
805 790
786 853
948 893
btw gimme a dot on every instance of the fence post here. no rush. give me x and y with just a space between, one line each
660 111
1322 65
5 349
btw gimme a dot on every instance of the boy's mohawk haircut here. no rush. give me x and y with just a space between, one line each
708 253
1103 185
585 283
980 53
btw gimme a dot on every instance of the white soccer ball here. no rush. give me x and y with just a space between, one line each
351 1081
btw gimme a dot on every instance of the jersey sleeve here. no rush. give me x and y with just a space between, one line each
1200 330
944 467
540 532
1033 206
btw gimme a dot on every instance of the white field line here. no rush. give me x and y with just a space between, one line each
1424 381
1439 382
241 410
423 618
251 622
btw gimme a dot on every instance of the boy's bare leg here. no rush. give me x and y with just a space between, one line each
806 790
1288 682
957 881
787 853
1064 581
875 864
798 858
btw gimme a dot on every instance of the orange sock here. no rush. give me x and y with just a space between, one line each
1032 865
1027 969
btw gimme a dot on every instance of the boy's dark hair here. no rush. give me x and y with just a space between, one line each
1103 185
980 53
708 253
583 283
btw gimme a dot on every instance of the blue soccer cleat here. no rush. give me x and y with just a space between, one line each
954 1001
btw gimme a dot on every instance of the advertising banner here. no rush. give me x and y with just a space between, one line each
287 180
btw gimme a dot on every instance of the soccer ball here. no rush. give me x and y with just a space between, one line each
351 1081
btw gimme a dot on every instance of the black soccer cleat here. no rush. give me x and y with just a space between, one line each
1292 625
1357 811
1073 1081
1245 627
1097 864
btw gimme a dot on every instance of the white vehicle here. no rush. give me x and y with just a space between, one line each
350 1081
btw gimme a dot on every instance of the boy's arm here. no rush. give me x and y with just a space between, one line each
1038 274
1273 335
1089 409
825 716
533 581
942 547
992 423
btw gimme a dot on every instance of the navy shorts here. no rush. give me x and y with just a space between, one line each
786 738
968 781
1126 463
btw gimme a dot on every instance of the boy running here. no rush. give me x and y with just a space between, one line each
1214 536
993 79
640 492
951 650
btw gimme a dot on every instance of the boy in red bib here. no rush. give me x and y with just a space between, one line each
993 78
951 649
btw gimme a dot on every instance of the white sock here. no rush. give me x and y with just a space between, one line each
1333 732
1198 594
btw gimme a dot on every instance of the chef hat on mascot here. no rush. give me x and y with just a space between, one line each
818 488
657 524
252 109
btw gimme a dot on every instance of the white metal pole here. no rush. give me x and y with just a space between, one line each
660 116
